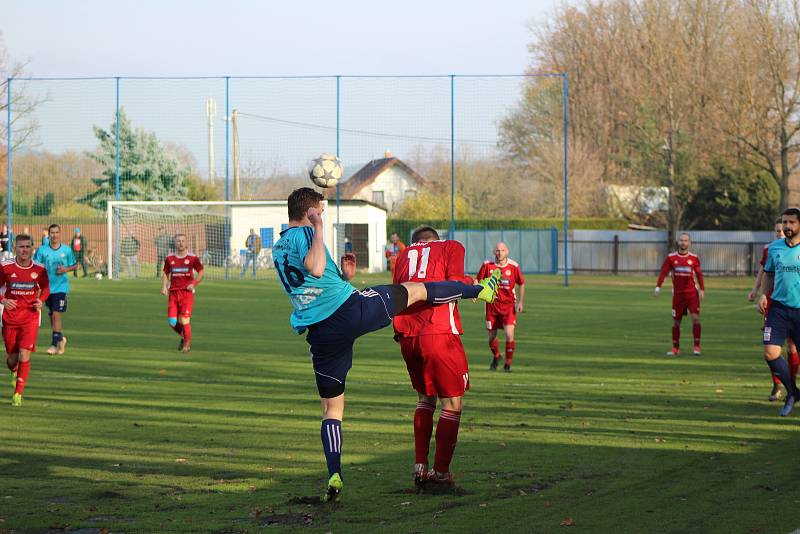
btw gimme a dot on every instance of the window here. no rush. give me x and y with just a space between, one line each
377 197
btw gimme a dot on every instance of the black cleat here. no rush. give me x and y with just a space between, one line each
493 365
776 394
507 368
420 477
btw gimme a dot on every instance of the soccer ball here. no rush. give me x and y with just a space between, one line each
99 276
326 170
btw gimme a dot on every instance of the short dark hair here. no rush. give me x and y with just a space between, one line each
23 237
426 233
54 225
792 211
301 200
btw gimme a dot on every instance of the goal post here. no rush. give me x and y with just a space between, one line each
141 234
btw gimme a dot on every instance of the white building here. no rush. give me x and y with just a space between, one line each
384 182
362 229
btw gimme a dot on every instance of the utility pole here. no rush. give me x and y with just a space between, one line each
211 114
235 124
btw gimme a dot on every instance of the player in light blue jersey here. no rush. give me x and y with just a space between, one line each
782 279
335 314
58 259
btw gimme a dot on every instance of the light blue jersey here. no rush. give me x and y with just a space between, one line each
51 258
784 261
314 299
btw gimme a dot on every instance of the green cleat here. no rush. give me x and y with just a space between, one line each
16 400
490 287
334 489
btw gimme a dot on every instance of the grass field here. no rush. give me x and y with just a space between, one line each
595 426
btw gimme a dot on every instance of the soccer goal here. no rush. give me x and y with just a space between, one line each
232 239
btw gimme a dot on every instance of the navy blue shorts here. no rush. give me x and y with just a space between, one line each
332 339
782 322
56 302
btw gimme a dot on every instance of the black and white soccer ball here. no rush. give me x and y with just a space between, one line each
326 170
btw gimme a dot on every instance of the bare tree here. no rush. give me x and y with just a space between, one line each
23 124
760 110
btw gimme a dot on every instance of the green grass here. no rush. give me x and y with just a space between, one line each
595 424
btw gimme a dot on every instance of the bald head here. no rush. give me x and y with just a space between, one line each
500 252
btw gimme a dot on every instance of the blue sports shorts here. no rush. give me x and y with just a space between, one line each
782 322
332 339
56 302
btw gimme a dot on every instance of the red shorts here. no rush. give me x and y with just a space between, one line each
437 364
18 337
498 318
181 303
683 302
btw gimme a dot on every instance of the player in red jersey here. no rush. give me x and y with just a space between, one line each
792 355
685 267
179 282
503 312
435 358
24 286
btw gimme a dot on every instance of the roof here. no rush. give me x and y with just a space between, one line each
369 172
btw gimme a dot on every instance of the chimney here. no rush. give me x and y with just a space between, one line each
388 154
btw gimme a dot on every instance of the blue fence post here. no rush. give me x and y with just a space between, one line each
566 182
116 182
227 252
8 156
452 155
338 102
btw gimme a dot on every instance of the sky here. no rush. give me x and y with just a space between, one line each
250 37
285 122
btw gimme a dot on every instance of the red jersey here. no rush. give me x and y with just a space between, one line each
24 285
510 277
684 268
432 261
181 270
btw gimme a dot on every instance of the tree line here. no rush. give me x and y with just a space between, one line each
699 96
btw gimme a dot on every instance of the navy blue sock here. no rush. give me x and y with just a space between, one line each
780 369
444 292
57 338
331 434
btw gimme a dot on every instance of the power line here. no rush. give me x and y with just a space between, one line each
311 126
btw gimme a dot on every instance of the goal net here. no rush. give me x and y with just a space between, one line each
232 239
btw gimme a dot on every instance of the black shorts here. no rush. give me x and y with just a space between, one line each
782 322
56 302
332 339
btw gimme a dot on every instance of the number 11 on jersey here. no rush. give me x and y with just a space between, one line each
413 256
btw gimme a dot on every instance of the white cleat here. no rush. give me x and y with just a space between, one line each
52 350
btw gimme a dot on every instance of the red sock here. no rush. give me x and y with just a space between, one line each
187 332
23 369
696 334
676 337
446 438
775 379
178 328
494 346
509 352
794 363
423 428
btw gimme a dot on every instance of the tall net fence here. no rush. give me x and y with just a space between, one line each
466 154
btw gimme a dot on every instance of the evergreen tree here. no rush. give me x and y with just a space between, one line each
146 171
